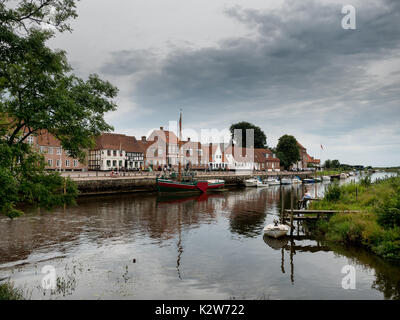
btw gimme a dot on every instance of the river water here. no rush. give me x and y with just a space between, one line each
142 246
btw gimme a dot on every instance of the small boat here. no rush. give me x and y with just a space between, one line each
308 180
252 182
343 176
317 179
276 230
286 181
326 178
272 182
296 180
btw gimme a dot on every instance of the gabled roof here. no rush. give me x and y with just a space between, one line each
165 135
114 141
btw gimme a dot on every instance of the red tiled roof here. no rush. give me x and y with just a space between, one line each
113 141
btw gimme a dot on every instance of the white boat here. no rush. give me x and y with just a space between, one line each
272 182
286 181
296 180
326 178
253 182
343 176
276 230
317 179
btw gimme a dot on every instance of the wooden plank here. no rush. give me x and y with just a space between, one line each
321 211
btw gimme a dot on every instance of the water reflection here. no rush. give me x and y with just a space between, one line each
206 246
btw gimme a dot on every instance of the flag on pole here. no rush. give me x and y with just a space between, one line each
322 148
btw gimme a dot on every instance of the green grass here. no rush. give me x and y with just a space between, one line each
329 172
376 227
9 292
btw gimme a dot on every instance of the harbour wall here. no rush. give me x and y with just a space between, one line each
91 185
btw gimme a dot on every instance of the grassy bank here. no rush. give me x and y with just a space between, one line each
376 227
329 172
9 292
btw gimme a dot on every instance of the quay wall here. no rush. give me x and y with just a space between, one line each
96 185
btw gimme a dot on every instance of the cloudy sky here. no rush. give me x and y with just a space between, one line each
287 66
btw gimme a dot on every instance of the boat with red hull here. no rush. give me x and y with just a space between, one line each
169 185
188 183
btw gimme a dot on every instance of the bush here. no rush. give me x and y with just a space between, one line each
389 212
333 193
9 292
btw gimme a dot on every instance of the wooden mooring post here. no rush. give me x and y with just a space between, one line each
291 211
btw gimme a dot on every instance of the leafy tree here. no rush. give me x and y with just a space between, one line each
260 139
328 164
335 164
287 151
38 91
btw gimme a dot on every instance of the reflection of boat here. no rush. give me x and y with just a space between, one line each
274 243
286 181
183 197
276 230
308 180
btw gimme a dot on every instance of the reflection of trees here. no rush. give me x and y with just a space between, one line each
248 211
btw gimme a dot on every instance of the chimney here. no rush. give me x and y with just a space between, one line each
144 138
162 128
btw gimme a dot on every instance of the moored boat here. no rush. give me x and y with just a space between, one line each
168 185
326 178
272 182
215 184
276 230
286 181
296 180
308 180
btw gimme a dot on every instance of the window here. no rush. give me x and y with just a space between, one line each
120 163
108 163
50 162
114 163
30 140
75 163
50 150
114 153
42 149
58 162
67 163
58 151
109 153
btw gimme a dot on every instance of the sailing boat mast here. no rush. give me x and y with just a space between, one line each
180 146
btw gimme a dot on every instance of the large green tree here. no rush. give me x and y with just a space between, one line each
287 151
38 91
260 139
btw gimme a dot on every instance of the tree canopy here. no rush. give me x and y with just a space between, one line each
260 139
287 151
38 91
